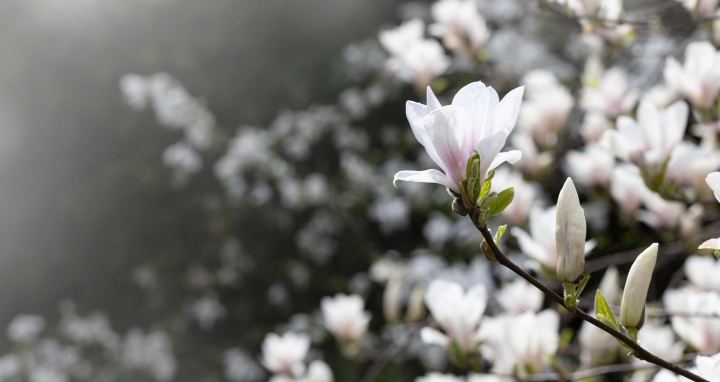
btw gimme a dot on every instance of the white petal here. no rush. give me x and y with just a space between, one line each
427 176
479 103
489 148
446 128
570 233
511 157
710 244
431 336
713 180
674 121
432 101
319 371
507 111
673 73
415 113
648 118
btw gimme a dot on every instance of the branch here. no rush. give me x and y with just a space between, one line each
638 350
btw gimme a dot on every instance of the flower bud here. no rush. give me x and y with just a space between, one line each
632 310
570 231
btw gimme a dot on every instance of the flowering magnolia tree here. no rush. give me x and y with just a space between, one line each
328 259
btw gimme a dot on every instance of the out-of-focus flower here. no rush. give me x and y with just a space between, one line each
460 26
519 297
660 96
632 310
526 194
591 167
285 354
539 245
151 352
660 213
699 78
702 333
344 317
701 7
393 214
532 338
414 59
708 367
593 126
474 121
627 188
689 165
25 328
648 142
182 158
438 377
546 107
319 371
240 367
457 312
570 230
607 92
660 340
533 160
597 347
702 271
207 310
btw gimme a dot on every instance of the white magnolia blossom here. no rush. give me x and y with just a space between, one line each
705 367
660 340
285 354
414 59
702 333
532 338
591 167
689 164
438 377
539 245
607 92
476 120
703 271
151 352
632 310
456 311
627 188
660 213
649 141
597 347
546 107
526 194
207 310
593 126
698 78
713 181
25 327
344 316
240 367
661 96
533 160
460 26
520 296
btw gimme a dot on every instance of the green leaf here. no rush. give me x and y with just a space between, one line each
608 322
499 233
484 191
472 173
603 309
485 206
490 175
469 164
503 200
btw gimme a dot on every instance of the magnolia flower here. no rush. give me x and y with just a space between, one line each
519 297
713 181
25 328
702 333
460 26
607 92
627 188
708 367
532 338
597 347
534 160
570 230
590 167
344 317
285 354
660 340
456 311
703 272
649 141
660 213
414 59
632 310
539 245
699 78
700 7
474 121
689 165
661 96
546 108
319 371
438 377
593 126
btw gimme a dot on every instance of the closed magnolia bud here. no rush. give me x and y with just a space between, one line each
632 310
392 300
570 232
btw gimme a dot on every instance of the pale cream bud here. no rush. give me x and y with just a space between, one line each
392 300
632 309
570 232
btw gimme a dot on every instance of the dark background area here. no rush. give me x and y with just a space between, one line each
84 196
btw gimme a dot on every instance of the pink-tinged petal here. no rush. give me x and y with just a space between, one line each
415 113
700 58
507 111
479 102
446 128
431 336
713 180
427 176
675 121
511 157
489 148
432 101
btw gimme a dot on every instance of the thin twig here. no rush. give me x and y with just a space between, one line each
638 350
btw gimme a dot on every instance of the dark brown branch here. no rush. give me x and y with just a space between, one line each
637 349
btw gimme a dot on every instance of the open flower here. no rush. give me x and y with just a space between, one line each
460 26
476 120
699 78
344 316
285 354
457 312
606 92
713 180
